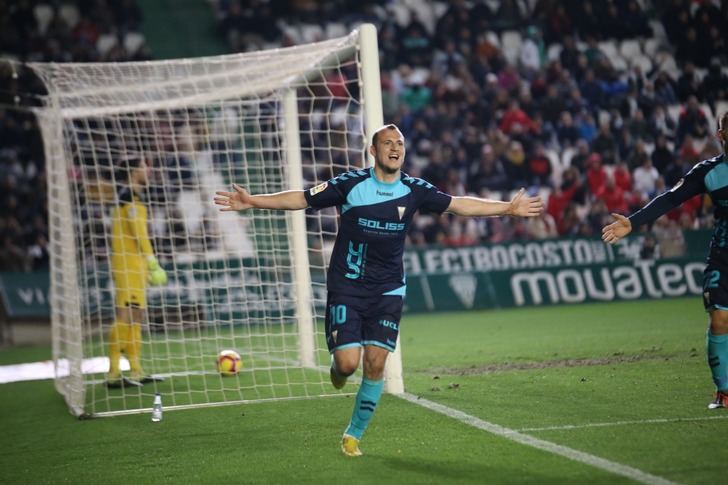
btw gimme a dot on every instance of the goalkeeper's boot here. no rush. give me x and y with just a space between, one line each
150 378
350 446
721 400
337 380
146 378
122 382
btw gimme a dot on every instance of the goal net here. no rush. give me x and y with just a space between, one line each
252 282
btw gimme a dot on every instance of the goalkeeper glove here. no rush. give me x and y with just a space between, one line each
156 275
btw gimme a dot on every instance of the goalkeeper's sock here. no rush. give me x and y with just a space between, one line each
134 350
117 335
717 347
366 402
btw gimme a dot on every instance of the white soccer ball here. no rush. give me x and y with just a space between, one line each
229 363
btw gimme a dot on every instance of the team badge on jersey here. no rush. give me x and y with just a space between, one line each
318 188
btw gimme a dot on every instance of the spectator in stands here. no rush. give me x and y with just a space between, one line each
645 177
587 20
539 165
662 156
715 84
688 83
665 89
650 248
566 131
533 53
622 177
509 15
614 199
604 143
692 121
662 124
515 116
514 163
489 174
669 237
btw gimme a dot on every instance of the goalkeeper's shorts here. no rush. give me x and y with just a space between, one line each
358 321
130 288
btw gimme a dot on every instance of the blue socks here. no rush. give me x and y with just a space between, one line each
366 402
717 346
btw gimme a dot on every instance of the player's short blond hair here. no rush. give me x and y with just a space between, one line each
390 126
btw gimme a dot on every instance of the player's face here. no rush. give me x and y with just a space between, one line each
141 173
723 137
389 151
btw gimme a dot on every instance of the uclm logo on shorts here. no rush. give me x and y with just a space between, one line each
380 225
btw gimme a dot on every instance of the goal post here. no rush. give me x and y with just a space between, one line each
299 246
253 282
373 119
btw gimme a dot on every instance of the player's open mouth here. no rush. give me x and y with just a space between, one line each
394 157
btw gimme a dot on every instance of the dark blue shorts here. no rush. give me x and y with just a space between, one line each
355 321
715 287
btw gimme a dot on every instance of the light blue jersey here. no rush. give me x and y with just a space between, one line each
375 218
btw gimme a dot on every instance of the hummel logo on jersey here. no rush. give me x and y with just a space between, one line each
401 210
385 194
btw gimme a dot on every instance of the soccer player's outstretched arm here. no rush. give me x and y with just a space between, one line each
689 186
520 205
242 200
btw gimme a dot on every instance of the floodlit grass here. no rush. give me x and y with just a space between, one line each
626 382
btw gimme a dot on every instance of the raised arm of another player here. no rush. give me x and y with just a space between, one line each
241 200
520 206
689 186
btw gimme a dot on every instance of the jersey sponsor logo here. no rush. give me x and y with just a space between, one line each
318 188
400 211
381 225
385 194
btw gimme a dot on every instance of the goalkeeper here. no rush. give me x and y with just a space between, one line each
366 281
133 265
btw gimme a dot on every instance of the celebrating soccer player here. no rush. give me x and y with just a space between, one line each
711 177
133 265
366 280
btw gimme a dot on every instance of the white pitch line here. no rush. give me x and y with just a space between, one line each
623 423
524 439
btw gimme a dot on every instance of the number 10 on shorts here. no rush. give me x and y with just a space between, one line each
337 314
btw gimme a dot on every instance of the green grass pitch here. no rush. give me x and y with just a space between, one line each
626 382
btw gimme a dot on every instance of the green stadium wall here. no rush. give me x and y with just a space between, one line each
515 274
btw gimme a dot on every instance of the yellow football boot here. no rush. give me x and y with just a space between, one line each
350 446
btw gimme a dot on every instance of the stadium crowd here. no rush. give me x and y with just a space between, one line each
598 106
53 31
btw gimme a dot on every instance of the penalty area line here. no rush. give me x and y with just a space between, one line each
524 439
